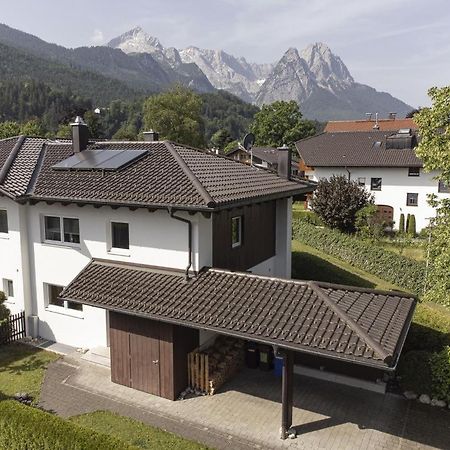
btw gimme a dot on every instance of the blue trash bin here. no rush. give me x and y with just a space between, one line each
278 369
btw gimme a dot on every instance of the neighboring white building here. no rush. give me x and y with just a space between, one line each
54 220
383 161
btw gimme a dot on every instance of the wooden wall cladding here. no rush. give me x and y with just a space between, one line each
150 356
258 239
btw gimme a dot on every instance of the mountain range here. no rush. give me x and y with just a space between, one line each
315 77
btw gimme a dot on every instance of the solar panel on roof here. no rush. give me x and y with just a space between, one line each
100 160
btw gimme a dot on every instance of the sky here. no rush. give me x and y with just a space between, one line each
398 46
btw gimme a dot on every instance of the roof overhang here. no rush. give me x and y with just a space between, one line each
255 308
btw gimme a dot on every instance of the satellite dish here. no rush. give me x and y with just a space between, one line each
249 140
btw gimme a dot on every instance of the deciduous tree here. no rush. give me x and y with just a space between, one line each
337 200
176 115
434 150
281 123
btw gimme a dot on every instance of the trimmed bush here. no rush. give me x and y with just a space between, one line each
25 427
401 225
399 270
414 370
412 225
430 329
440 374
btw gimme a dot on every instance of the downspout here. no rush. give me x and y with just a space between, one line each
172 212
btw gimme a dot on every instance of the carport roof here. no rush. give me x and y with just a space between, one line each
358 325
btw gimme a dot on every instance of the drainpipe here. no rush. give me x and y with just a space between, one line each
172 212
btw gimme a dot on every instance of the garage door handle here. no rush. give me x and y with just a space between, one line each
156 361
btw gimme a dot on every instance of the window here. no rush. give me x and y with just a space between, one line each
413 171
8 288
443 188
375 184
236 231
52 294
120 236
3 221
61 229
361 181
412 199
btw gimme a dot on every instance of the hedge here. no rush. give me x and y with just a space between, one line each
396 269
26 427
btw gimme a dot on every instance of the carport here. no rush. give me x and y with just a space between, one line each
356 325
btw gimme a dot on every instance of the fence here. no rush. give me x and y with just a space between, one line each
13 328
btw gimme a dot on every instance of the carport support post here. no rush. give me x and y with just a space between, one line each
286 392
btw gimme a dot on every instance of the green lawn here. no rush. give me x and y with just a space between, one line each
133 432
22 369
311 264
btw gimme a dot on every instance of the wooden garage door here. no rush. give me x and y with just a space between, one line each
144 355
135 354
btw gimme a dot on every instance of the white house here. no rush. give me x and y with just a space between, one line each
150 248
383 161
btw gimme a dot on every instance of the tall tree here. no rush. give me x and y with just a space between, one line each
337 200
281 123
434 150
176 115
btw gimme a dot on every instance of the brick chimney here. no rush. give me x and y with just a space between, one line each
284 162
151 136
80 135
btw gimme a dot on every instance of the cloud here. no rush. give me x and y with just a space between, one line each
97 37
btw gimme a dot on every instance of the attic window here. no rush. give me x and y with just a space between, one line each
110 160
376 144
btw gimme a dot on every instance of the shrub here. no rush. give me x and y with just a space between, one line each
399 270
337 200
415 371
440 374
430 329
25 427
369 223
4 311
412 225
401 225
407 222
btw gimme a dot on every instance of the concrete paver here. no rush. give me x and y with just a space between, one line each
246 412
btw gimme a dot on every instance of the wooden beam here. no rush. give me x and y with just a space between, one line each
287 392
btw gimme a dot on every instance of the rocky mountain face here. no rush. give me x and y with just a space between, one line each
315 78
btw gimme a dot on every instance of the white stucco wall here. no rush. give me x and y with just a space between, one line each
155 239
396 184
10 255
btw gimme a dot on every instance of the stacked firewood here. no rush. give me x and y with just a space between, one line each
210 368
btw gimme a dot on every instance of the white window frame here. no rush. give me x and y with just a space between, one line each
9 298
5 235
117 250
238 243
361 181
61 228
417 199
60 309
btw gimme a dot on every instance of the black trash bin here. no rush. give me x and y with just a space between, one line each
251 356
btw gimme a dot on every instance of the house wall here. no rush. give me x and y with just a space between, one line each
155 239
258 236
395 185
11 264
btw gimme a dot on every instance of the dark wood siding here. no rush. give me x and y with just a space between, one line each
150 356
258 236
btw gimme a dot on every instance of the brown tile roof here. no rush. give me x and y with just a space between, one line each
354 149
169 175
367 125
17 169
359 325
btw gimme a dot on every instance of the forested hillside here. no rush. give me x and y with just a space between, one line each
21 66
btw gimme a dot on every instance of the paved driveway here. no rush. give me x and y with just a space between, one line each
246 413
